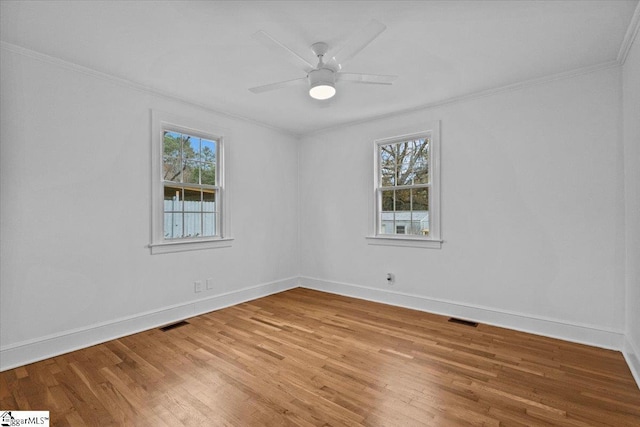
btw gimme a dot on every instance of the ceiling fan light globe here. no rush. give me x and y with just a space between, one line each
321 83
322 91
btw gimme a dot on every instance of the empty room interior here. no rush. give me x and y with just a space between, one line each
311 213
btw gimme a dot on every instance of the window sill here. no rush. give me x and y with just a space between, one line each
189 245
407 242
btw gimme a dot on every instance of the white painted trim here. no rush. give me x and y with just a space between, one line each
184 245
33 350
130 84
630 36
554 328
631 354
404 242
189 245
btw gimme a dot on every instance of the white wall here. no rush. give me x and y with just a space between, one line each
75 212
534 182
631 109
532 211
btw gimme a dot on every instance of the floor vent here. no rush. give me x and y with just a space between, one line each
463 322
174 325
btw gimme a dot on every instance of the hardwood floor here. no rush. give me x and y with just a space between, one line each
308 358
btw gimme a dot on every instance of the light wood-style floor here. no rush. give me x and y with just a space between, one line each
308 358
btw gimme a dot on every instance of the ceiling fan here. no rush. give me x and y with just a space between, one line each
321 78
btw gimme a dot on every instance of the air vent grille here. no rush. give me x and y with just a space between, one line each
463 322
174 325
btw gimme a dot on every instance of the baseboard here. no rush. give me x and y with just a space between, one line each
632 356
578 333
34 350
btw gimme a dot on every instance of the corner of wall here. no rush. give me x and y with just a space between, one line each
41 348
629 58
573 332
632 356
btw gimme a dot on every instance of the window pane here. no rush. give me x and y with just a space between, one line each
172 225
398 154
171 169
387 200
387 223
191 173
171 158
192 200
402 217
208 173
404 175
421 161
420 199
403 200
208 224
208 151
172 199
172 144
420 217
208 201
410 160
192 226
191 148
387 166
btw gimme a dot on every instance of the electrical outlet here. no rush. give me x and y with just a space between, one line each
197 286
391 278
209 283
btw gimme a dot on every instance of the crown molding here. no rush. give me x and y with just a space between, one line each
632 30
476 95
630 36
130 84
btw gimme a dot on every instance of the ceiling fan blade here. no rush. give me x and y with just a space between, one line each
375 79
359 41
279 85
270 42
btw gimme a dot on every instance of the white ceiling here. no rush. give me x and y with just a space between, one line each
203 51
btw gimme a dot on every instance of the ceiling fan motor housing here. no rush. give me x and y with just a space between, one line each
322 76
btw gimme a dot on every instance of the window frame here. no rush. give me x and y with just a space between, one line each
434 239
160 123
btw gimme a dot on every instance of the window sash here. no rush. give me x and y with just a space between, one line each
216 212
380 188
197 186
403 187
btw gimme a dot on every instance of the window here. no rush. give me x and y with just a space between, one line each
407 193
189 169
188 186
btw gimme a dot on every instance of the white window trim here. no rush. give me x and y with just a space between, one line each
434 240
159 245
